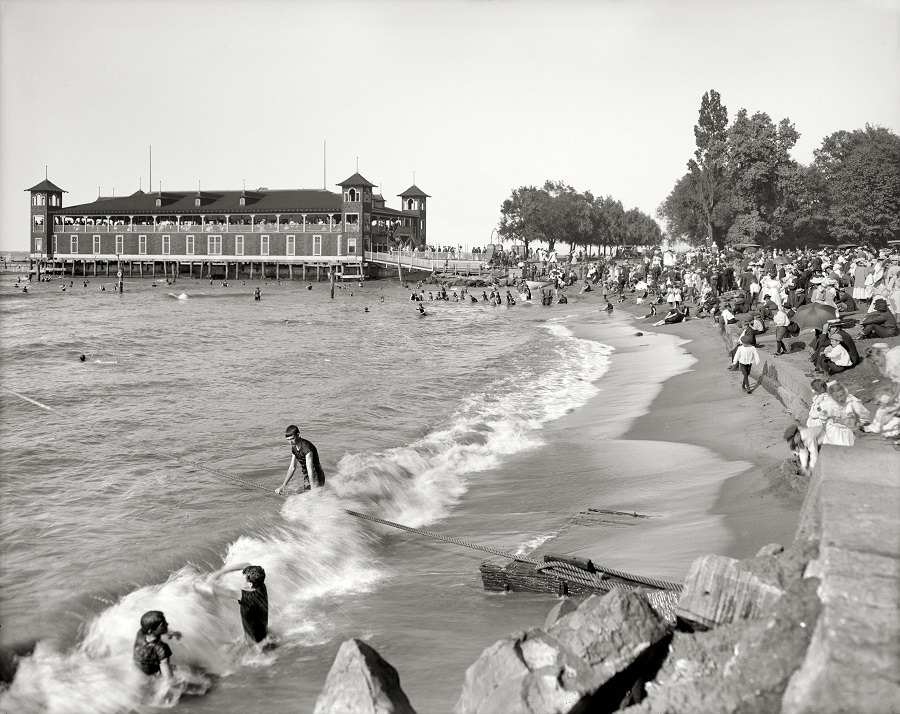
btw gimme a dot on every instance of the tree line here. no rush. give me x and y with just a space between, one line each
742 186
557 213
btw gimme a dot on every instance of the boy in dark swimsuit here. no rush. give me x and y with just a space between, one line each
304 453
252 597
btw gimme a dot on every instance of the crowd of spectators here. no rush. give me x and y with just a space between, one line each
841 297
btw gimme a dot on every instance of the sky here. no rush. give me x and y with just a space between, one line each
469 100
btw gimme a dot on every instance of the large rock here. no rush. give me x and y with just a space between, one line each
361 682
529 673
588 659
611 631
740 668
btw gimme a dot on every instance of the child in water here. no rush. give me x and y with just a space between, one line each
253 598
151 654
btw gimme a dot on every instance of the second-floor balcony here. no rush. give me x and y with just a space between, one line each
238 228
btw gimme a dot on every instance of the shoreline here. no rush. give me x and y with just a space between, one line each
703 405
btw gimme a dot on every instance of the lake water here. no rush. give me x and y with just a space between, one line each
471 422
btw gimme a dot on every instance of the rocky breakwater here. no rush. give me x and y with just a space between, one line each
616 653
812 628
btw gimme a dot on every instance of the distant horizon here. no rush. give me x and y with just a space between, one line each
468 100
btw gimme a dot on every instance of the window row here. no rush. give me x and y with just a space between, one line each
40 199
214 245
213 222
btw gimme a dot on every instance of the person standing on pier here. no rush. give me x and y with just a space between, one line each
303 452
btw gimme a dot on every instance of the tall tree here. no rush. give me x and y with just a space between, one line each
861 173
758 167
608 217
805 208
707 168
683 212
520 215
641 229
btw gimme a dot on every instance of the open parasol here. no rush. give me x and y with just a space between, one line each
814 315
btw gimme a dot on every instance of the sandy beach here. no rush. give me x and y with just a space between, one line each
705 406
745 501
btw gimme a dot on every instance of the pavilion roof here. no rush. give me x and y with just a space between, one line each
414 192
212 202
357 180
46 185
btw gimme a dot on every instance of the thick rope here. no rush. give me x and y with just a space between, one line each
594 580
446 539
575 573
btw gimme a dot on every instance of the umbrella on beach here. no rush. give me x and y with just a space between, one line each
814 315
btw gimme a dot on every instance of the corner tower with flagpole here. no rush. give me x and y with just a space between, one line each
413 204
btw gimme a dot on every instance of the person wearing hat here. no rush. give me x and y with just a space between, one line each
835 358
781 321
880 322
747 331
844 413
771 286
745 356
304 453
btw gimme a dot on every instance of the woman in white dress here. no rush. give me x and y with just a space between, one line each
859 280
817 414
843 414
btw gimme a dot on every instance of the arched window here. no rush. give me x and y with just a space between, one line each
353 195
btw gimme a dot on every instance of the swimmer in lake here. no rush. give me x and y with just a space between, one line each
150 653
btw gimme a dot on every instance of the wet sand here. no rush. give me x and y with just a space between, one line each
703 457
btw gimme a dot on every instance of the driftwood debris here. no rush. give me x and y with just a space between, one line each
504 576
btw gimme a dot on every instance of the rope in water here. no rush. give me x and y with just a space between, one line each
598 581
594 580
447 539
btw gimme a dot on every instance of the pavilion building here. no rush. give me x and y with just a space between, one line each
273 231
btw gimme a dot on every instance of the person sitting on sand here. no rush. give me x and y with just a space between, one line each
835 358
726 317
673 316
817 415
879 322
843 413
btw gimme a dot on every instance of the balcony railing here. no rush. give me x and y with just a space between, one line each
207 228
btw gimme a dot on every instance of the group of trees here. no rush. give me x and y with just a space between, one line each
557 213
743 186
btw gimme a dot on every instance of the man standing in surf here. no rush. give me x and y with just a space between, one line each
303 452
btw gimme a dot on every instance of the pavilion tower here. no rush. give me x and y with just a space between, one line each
357 211
413 204
45 197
